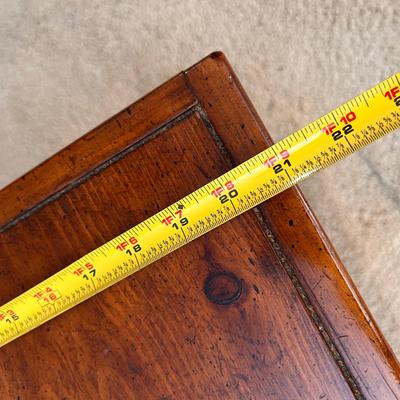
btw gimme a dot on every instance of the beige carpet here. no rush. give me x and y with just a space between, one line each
67 66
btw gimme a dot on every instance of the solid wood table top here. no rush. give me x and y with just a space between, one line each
260 308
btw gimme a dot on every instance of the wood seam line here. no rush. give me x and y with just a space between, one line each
288 267
196 107
99 168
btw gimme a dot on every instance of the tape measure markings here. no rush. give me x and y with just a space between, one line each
318 145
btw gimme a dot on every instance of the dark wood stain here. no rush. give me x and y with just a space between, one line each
288 322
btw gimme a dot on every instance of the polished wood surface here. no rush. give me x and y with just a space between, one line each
259 308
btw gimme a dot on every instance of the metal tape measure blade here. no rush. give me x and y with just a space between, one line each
322 143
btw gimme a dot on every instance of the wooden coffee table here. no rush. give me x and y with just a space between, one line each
260 308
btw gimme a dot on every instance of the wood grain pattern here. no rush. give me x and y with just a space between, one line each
160 334
111 137
312 261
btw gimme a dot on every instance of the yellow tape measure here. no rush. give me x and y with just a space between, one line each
320 144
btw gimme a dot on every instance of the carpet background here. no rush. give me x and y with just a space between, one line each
65 67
